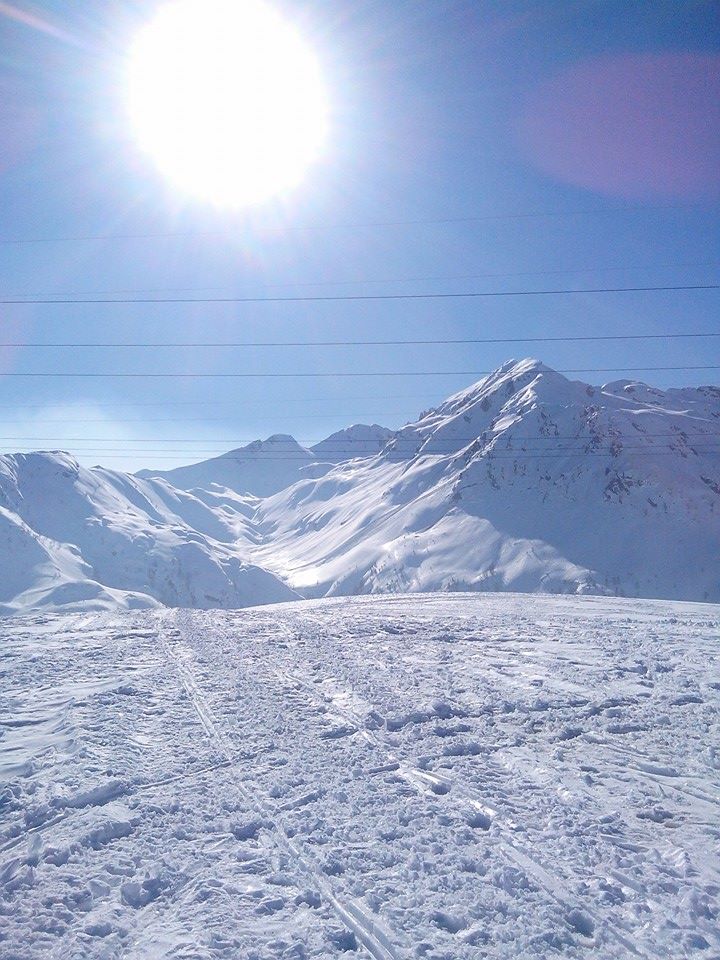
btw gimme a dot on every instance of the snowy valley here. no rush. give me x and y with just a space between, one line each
452 769
525 481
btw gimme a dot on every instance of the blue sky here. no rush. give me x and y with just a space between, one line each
513 113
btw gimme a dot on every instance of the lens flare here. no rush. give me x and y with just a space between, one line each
639 126
228 99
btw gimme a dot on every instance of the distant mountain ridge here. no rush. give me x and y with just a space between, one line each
524 481
264 467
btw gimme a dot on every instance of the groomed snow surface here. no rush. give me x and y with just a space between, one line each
438 776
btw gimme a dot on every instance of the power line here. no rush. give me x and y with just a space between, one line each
710 443
73 420
678 434
388 455
212 403
347 298
357 225
350 373
390 280
342 456
322 416
368 343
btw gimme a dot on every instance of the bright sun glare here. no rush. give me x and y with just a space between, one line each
227 98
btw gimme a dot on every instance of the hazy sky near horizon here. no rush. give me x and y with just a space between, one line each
473 146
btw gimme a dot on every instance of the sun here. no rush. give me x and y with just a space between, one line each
227 98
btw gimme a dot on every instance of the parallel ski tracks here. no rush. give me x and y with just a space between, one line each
452 790
379 942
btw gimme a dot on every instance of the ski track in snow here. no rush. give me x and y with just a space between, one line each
367 931
437 776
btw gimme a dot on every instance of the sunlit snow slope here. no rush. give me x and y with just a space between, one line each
98 538
451 777
525 481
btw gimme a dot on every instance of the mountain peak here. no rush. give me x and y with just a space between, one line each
526 365
358 440
282 439
277 442
508 378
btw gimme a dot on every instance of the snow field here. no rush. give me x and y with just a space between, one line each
440 776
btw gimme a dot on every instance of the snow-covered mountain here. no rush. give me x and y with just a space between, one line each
76 537
264 467
360 440
525 481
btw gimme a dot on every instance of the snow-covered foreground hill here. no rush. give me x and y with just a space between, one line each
441 776
524 481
